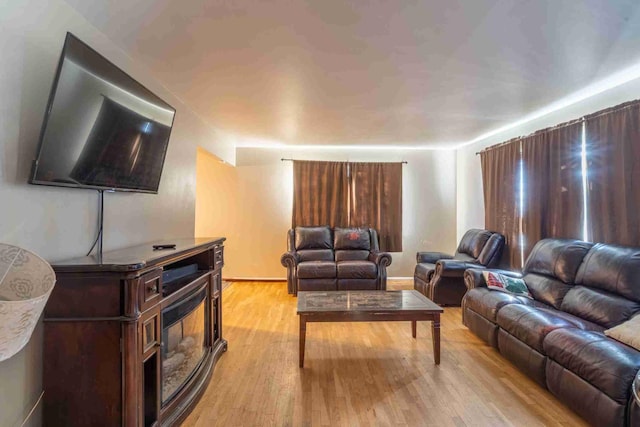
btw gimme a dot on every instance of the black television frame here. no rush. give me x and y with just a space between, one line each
52 95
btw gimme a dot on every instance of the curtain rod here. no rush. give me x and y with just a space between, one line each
603 112
293 160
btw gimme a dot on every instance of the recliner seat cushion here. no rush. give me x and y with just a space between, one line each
424 271
606 364
357 270
352 255
317 270
352 238
531 324
313 238
487 303
315 255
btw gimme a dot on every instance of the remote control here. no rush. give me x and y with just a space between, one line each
165 246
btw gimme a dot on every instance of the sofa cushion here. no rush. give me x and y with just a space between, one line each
315 255
473 242
613 269
486 302
604 363
492 250
558 258
531 324
313 238
424 271
548 290
352 238
601 307
627 333
355 254
317 270
502 283
357 270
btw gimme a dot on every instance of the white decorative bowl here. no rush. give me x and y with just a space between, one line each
26 281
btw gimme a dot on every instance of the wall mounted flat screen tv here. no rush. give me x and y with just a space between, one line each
102 129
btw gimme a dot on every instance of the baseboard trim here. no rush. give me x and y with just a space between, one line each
400 278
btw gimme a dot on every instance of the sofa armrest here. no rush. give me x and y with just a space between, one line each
289 259
431 257
380 258
454 267
473 277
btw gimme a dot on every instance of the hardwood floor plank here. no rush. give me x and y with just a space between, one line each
361 374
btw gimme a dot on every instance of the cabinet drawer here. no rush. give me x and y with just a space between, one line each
150 289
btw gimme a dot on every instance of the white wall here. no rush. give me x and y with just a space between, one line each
60 223
470 203
265 195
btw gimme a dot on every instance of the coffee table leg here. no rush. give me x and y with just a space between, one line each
413 328
435 333
303 333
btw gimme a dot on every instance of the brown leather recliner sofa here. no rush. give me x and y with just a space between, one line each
579 290
326 259
439 276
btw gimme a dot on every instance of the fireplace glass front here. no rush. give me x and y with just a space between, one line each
183 341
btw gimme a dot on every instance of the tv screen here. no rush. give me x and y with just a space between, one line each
102 129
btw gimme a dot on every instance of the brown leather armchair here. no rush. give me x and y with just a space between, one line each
440 276
324 259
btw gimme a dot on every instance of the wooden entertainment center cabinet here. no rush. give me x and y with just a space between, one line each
132 339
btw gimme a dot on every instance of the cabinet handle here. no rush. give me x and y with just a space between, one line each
153 288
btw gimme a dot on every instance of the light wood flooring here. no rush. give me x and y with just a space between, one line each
360 374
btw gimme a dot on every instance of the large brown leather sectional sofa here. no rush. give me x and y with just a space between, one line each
557 338
326 259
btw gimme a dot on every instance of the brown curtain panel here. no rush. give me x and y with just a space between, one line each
613 159
553 196
500 181
376 201
320 194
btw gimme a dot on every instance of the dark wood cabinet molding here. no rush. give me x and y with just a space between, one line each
103 334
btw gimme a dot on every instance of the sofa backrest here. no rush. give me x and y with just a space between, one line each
471 244
551 268
352 243
480 246
326 244
492 251
607 290
313 243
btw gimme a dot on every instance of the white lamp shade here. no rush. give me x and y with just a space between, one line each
26 281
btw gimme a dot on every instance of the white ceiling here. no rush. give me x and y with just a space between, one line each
425 72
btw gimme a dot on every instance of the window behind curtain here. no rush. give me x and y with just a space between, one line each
613 153
320 194
376 201
580 180
341 194
500 178
552 193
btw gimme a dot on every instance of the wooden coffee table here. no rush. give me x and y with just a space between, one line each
368 306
